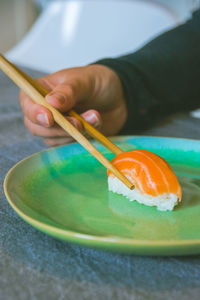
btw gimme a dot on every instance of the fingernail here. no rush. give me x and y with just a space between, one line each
92 118
43 119
60 98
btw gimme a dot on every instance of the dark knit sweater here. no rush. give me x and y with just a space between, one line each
161 78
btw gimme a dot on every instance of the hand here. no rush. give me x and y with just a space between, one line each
93 91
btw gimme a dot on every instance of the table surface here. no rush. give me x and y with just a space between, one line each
36 266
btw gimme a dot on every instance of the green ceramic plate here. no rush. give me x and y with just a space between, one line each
63 192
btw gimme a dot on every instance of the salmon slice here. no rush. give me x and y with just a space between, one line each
150 173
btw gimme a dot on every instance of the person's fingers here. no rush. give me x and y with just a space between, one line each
93 117
54 132
38 130
36 113
39 114
58 141
63 97
45 83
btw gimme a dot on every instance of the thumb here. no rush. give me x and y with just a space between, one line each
62 97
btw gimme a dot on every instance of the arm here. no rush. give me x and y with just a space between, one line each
129 92
163 77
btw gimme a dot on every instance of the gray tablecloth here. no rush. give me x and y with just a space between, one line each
36 266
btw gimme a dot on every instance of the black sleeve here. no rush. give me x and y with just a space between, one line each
161 78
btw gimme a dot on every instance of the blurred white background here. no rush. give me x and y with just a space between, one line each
17 16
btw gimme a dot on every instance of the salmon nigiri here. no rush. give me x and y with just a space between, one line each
155 182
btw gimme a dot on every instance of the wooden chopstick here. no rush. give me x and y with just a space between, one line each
93 132
27 86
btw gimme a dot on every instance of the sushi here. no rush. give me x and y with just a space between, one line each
155 182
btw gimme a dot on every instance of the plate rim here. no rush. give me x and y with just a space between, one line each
112 239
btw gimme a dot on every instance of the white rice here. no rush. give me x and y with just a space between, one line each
163 202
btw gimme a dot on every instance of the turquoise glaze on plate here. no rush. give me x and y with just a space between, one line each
63 192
